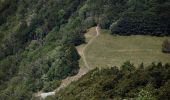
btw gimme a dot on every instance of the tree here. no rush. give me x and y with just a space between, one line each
65 65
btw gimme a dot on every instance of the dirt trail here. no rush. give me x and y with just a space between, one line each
82 71
84 49
64 83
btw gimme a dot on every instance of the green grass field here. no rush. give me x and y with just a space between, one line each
108 50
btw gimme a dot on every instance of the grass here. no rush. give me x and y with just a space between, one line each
89 35
108 50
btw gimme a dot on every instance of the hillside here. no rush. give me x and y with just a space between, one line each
111 79
144 83
37 47
38 39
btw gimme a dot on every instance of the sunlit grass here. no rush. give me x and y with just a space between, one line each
108 50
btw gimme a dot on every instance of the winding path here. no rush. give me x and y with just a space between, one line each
81 72
84 49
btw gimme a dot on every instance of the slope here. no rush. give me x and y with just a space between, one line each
82 70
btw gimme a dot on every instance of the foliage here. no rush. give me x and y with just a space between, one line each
144 95
127 67
166 46
50 86
144 17
66 65
140 84
140 23
16 91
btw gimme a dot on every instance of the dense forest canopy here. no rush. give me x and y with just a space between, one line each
38 37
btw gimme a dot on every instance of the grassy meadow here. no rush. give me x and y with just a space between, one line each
108 50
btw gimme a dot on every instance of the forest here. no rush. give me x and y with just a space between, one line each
38 40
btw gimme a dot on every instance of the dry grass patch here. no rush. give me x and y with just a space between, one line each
108 50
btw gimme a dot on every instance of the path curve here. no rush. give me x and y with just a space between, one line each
68 80
84 49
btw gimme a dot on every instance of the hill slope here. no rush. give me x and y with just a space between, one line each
36 47
150 83
38 37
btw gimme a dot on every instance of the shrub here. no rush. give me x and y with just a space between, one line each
166 46
89 22
50 86
127 67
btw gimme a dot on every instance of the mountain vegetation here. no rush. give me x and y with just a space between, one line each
127 17
37 45
128 82
38 38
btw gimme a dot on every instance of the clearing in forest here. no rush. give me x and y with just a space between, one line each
108 50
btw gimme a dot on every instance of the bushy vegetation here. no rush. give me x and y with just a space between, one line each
166 46
51 86
128 82
141 23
